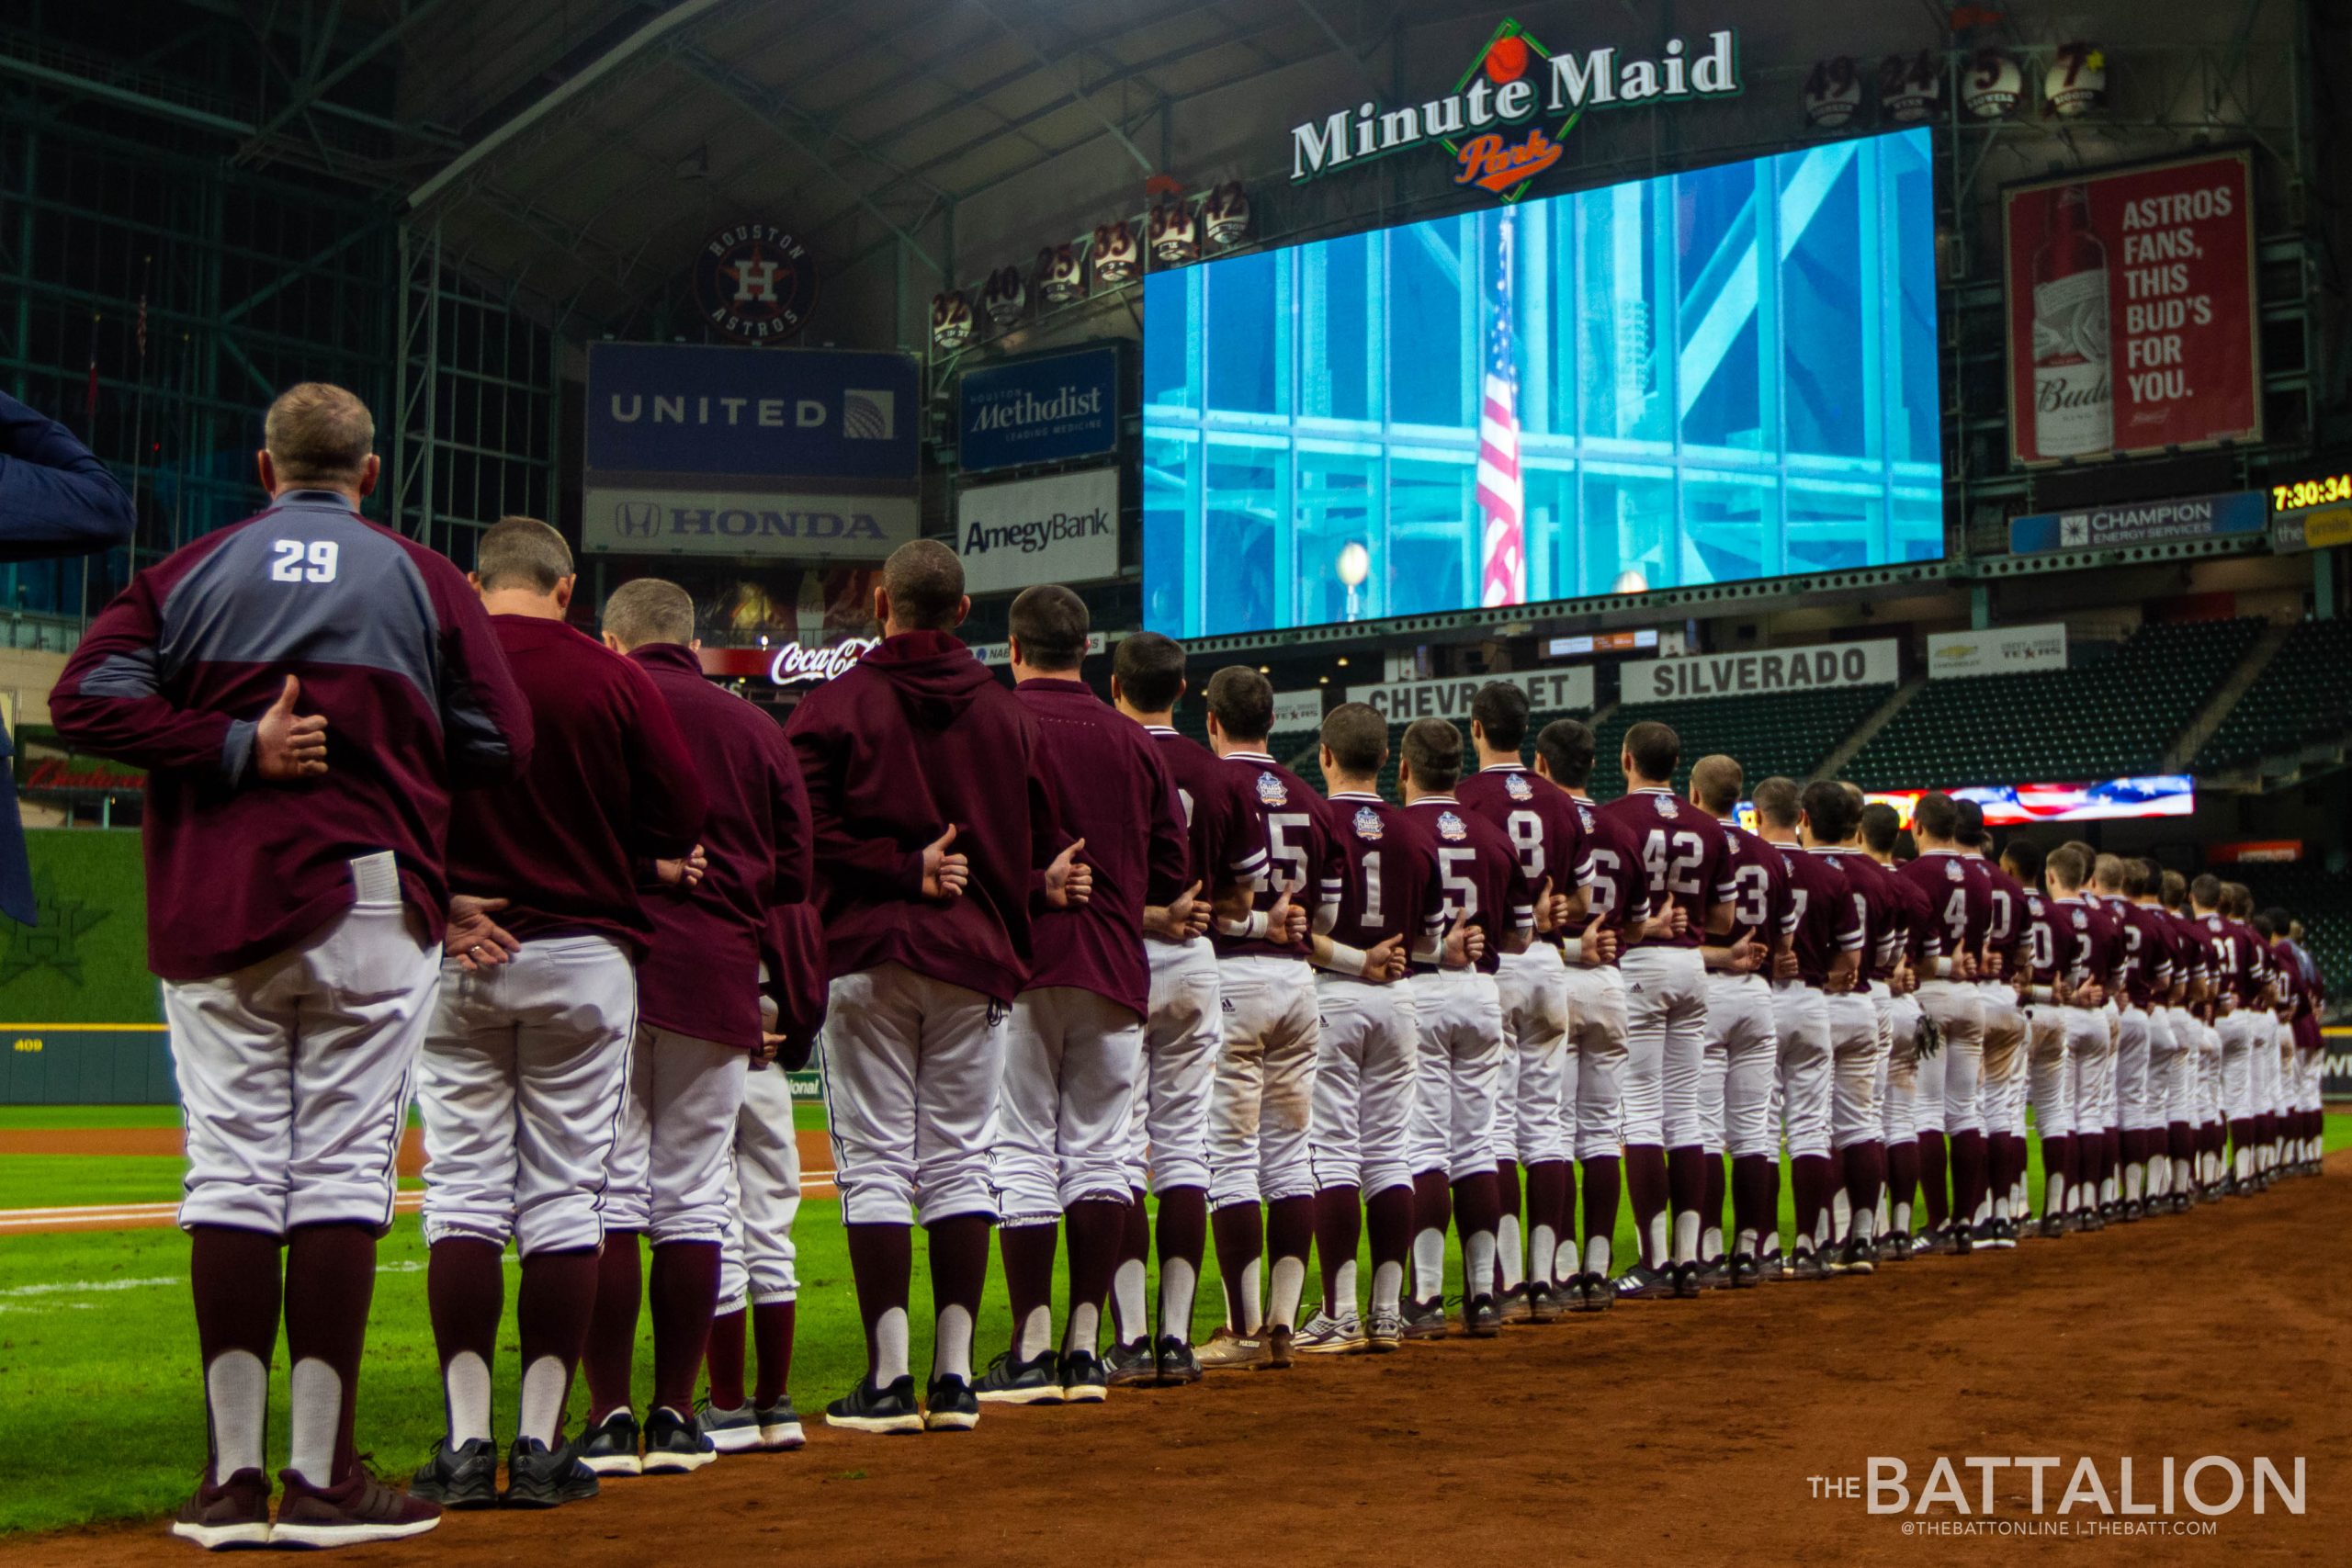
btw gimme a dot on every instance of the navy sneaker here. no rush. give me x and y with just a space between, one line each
1481 1317
609 1447
732 1431
1643 1283
540 1477
1083 1379
866 1408
949 1406
780 1425
1177 1361
462 1477
673 1444
1012 1380
1132 1363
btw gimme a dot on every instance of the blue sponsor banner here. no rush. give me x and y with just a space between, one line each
1046 409
740 413
2141 522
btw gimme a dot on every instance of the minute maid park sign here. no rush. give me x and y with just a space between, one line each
1485 122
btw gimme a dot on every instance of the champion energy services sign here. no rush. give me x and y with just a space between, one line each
1511 111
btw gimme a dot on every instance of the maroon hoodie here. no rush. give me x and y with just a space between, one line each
702 977
792 949
913 739
1115 794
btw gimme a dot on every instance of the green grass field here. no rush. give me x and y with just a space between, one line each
100 1413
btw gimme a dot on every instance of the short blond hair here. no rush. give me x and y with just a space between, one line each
650 609
319 434
522 552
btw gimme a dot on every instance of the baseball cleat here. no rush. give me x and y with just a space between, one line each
1685 1280
2130 1213
1772 1269
1807 1266
1012 1380
1278 1348
1513 1304
1481 1317
866 1408
1741 1273
949 1406
1326 1336
780 1425
1425 1320
1859 1258
356 1510
538 1477
462 1477
1082 1379
2003 1237
732 1431
1227 1351
609 1447
1643 1283
1901 1246
228 1518
673 1444
1545 1300
1129 1363
1591 1291
1714 1274
1385 1331
2053 1226
1178 1362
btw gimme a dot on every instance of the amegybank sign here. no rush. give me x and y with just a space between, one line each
1062 529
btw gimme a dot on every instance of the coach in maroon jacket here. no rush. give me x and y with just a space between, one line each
698 1025
934 819
527 1058
1076 1037
295 900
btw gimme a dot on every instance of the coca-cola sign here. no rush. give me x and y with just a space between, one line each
793 663
2132 313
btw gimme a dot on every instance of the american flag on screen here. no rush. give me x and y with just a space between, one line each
1502 553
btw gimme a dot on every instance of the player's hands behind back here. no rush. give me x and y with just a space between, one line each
472 938
289 746
1070 882
943 872
687 870
1183 919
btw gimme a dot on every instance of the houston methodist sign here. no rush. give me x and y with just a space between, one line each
1484 122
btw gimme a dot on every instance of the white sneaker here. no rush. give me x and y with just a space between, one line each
1326 1336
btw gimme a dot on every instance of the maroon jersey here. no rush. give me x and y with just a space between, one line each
1877 906
1956 897
912 740
1302 858
610 784
1916 937
1619 898
2148 950
1478 873
702 977
1390 886
2197 948
1825 921
386 638
1763 908
2231 945
2038 936
1115 794
1226 837
1683 852
2090 947
2004 916
1534 813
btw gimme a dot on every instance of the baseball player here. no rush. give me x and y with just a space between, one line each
304 688
1367 1040
2146 1058
2042 987
1666 1004
1904 1042
2132 1040
1994 1221
1830 829
1959 896
1459 1013
936 824
1168 1130
759 1281
2262 1027
1261 1101
2169 1048
1071 1061
527 1060
1592 1088
1532 1129
1821 957
2230 942
698 1030
2189 1102
1740 1024
2090 954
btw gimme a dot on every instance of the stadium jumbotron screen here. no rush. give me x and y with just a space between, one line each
1722 374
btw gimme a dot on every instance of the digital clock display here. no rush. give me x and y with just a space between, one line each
2305 494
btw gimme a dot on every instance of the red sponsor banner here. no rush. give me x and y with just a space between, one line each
2131 310
2255 851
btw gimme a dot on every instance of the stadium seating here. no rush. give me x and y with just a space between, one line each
2109 720
2301 697
1789 734
2322 899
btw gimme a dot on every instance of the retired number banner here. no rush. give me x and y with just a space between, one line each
2132 322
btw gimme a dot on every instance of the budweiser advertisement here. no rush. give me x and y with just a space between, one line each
2131 322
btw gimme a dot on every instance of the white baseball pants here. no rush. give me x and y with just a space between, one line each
911 1067
1666 1041
523 1074
2134 1102
1260 1102
1959 1011
677 1137
1854 1060
2090 1053
2237 1066
1592 1075
1064 1105
1461 1019
1367 1059
1740 1026
758 1265
2000 1099
2050 1069
1534 986
1899 1076
294 1071
1168 1129
1801 1065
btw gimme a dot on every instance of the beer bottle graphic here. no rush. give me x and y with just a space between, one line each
2073 400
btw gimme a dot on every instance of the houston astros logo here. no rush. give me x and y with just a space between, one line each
1517 786
1367 823
1448 826
756 282
1271 790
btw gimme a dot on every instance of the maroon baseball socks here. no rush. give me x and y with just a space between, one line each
330 1278
612 1326
464 1291
1184 1243
235 1278
1339 1230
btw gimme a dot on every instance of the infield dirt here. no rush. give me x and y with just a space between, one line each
1666 1432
